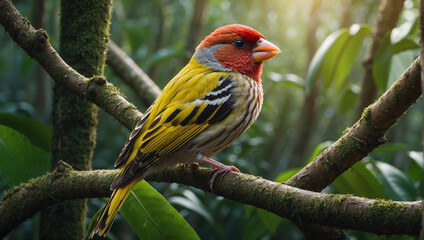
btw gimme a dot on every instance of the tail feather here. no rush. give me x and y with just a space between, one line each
105 220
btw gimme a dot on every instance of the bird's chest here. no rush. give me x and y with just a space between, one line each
247 97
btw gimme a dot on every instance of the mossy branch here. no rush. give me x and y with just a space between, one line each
382 217
95 89
364 136
342 211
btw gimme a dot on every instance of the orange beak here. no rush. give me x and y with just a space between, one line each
264 50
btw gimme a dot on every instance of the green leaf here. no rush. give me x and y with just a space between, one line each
403 31
315 66
269 220
417 157
405 44
191 202
400 39
358 180
163 55
37 132
254 229
397 185
19 159
286 175
290 79
386 152
342 55
349 98
400 62
318 149
381 65
152 217
416 166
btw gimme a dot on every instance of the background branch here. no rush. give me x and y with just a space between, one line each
125 68
343 211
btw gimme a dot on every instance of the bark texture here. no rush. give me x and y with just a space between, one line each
364 136
84 34
342 211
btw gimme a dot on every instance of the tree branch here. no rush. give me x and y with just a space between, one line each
95 89
278 198
125 68
342 211
365 135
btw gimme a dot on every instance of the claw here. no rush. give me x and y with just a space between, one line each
193 166
219 169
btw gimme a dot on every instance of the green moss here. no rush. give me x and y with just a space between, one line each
83 44
382 212
345 147
366 114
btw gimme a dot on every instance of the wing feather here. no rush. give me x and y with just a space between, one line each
173 121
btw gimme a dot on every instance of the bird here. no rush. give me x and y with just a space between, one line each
201 111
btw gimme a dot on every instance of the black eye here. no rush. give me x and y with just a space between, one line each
239 43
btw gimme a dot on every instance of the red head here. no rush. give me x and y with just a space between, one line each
236 47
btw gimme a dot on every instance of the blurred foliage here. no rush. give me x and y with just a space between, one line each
153 33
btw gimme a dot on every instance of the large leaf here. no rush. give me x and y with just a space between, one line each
191 202
19 159
152 217
342 55
397 185
404 31
400 39
400 62
358 180
381 65
290 79
318 149
254 229
315 66
286 175
37 132
349 98
335 57
416 166
269 219
391 61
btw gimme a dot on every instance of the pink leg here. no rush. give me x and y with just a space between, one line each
193 166
219 169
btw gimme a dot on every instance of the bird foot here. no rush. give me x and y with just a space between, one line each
193 166
219 169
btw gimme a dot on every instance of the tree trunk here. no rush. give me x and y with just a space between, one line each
43 94
83 43
388 16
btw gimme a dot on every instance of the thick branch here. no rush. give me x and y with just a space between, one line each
105 95
368 133
96 89
343 211
124 67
